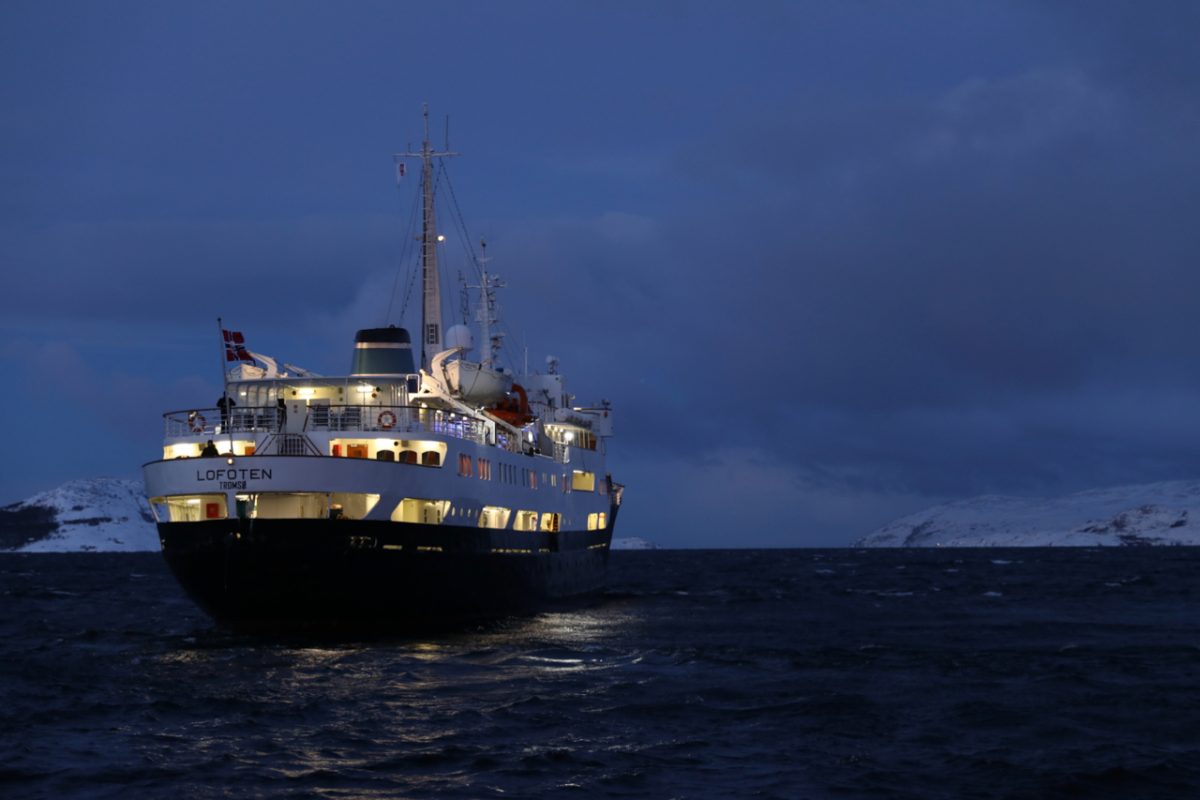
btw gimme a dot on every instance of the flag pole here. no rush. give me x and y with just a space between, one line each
226 416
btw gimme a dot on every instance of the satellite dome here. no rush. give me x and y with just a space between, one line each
459 336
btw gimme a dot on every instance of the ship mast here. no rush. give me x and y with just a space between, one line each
431 290
486 313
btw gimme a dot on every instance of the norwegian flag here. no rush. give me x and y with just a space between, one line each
235 346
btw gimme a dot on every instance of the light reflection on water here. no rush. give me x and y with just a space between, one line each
395 705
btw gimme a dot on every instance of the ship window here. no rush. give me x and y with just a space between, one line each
290 505
485 469
551 521
422 510
180 451
603 521
526 521
353 505
592 521
240 447
532 479
430 454
583 481
464 465
193 507
494 517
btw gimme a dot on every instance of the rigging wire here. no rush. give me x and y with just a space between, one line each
465 238
404 256
463 233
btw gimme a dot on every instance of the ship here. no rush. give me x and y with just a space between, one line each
424 489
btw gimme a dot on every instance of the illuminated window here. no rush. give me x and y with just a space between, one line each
526 521
189 508
289 505
405 451
551 522
532 479
422 510
494 517
484 469
583 481
351 505
464 465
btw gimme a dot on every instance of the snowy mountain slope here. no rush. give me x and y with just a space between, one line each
1147 514
92 514
633 543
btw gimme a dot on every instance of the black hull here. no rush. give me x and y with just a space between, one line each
336 576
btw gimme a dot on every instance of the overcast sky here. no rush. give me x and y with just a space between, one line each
832 262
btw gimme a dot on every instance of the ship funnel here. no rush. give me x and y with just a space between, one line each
382 351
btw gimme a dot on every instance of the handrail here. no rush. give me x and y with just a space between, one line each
385 420
288 444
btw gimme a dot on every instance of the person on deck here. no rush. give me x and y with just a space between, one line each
225 404
282 414
209 450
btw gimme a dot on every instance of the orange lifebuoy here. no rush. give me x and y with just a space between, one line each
386 420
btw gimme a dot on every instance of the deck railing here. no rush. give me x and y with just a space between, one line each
377 420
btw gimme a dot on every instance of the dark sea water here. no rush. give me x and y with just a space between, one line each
790 674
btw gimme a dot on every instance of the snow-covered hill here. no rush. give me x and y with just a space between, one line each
633 543
93 514
1147 514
